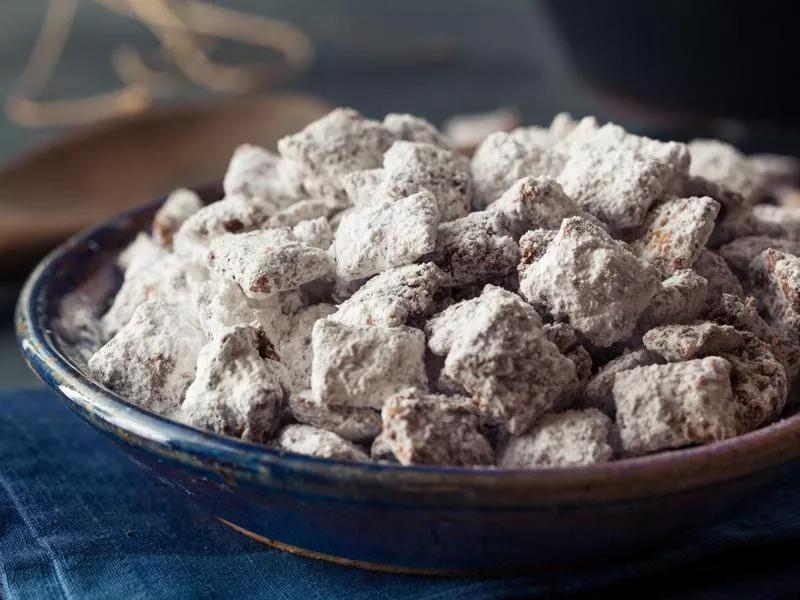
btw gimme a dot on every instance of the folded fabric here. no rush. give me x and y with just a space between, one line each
78 520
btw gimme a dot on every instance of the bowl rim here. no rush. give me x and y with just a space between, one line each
668 472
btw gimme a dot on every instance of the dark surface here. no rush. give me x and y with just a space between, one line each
82 521
714 58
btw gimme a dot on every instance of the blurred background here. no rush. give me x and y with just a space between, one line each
94 90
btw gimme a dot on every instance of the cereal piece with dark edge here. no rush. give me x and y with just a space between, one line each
760 387
502 159
568 342
363 187
362 366
255 172
719 276
534 203
775 280
617 176
179 206
352 424
567 439
740 252
681 299
735 218
341 142
429 429
598 391
443 328
742 313
533 245
723 164
502 356
592 280
234 214
240 388
151 360
319 443
416 129
675 233
381 450
294 346
314 232
475 249
684 342
267 262
674 405
410 167
382 235
395 297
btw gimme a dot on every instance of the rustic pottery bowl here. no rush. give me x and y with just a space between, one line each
422 519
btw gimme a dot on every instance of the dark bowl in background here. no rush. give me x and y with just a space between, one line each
697 60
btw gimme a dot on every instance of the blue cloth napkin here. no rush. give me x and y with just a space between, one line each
78 520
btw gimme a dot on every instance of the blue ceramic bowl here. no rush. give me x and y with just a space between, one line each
419 519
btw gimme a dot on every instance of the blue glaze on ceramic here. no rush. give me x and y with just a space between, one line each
430 519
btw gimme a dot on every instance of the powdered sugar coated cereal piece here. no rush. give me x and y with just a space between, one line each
590 279
719 276
234 214
179 206
534 203
151 360
533 245
294 345
598 392
143 250
776 221
725 165
311 441
416 129
503 357
395 297
740 252
220 303
617 176
759 383
362 187
776 169
381 235
149 276
468 130
303 210
254 172
314 232
445 327
362 366
240 388
475 248
567 439
775 278
681 299
674 405
742 313
676 232
684 342
267 262
410 167
502 159
430 429
352 424
341 142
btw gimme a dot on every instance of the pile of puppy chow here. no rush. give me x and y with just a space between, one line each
569 295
